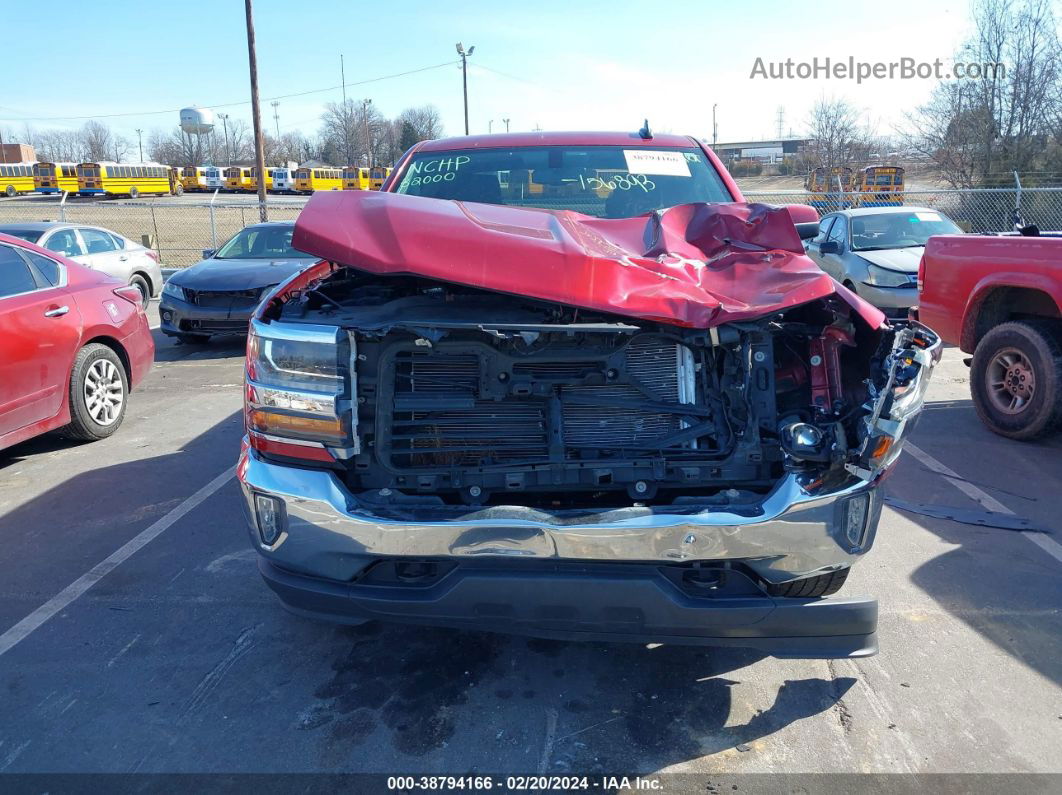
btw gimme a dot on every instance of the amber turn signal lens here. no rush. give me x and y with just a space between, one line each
323 429
882 447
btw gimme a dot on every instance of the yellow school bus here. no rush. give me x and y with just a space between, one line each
16 178
55 177
378 175
253 184
194 178
237 178
124 179
307 180
355 178
831 191
880 186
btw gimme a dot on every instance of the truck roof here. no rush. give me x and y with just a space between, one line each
508 140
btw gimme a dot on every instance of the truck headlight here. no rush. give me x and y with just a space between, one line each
295 394
883 277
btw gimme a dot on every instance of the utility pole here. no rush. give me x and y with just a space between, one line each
365 103
256 115
781 120
490 126
225 125
140 142
464 76
506 124
276 118
715 129
3 152
343 79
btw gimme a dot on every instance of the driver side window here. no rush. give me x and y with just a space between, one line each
839 232
824 228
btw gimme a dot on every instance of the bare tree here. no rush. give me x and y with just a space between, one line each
60 146
120 146
96 141
979 131
425 119
839 135
241 141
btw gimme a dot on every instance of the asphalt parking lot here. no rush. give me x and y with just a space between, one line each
174 657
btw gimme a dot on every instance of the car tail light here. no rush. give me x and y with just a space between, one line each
130 294
154 255
921 273
294 402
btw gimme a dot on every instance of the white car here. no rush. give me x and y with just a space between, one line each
96 248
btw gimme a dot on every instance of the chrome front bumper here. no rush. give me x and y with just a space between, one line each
795 531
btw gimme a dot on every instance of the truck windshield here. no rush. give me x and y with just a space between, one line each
603 181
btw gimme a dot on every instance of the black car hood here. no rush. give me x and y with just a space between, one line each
238 274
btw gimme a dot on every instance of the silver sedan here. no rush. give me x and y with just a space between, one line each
875 251
96 248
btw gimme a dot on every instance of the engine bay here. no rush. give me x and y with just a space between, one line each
477 398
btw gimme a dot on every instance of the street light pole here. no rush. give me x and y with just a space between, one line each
464 76
715 130
225 125
256 115
365 124
506 124
140 142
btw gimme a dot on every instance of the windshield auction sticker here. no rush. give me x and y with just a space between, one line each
647 161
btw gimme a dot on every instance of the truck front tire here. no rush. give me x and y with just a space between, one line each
1016 379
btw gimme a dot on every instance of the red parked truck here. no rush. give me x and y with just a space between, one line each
1000 299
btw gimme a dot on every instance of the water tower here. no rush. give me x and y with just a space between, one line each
196 122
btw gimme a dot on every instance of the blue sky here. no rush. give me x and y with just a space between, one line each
556 65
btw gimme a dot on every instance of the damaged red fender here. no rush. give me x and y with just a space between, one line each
695 265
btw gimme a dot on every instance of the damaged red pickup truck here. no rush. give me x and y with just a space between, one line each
571 385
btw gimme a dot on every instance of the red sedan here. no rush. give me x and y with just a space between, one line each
73 343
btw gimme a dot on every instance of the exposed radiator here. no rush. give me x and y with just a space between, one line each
444 417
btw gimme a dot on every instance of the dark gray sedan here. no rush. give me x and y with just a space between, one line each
219 294
875 251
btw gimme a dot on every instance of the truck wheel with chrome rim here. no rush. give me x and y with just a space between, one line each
1016 379
98 389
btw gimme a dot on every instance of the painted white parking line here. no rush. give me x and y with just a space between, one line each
987 501
62 600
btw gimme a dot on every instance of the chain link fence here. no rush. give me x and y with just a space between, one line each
985 210
179 231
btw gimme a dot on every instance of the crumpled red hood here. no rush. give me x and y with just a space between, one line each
696 265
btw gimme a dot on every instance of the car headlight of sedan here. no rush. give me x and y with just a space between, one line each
172 290
883 277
